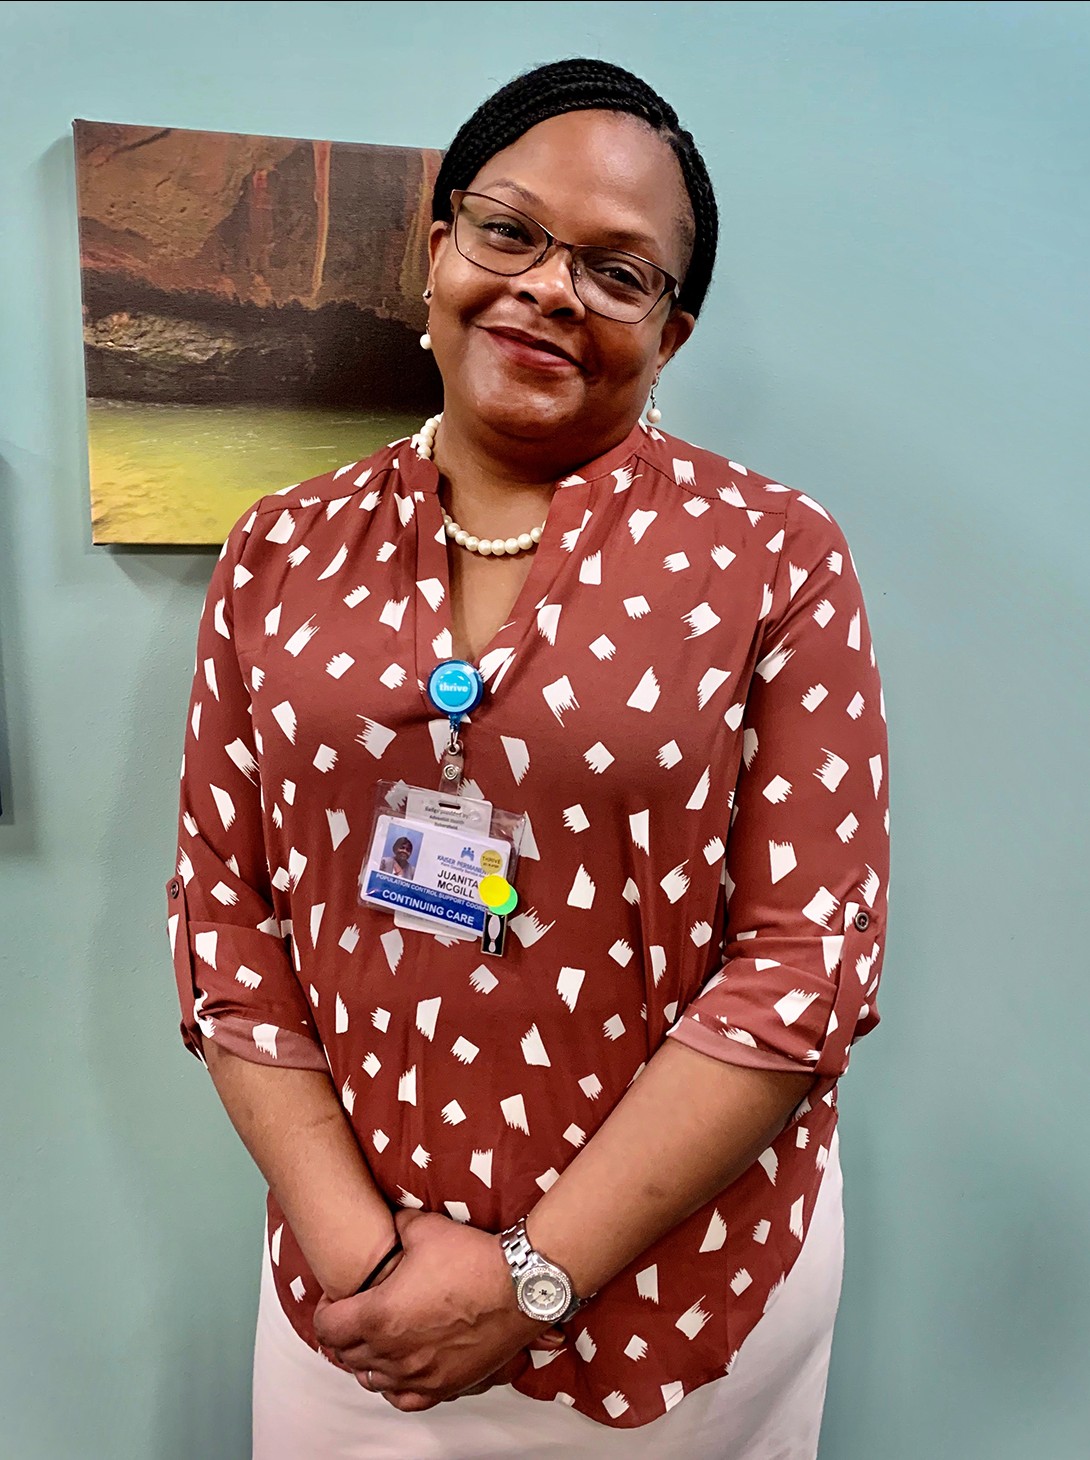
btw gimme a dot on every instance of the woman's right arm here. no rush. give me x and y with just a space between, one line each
244 1011
292 1124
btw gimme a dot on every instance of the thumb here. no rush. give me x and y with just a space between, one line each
552 1338
404 1220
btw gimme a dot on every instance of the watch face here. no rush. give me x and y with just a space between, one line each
544 1294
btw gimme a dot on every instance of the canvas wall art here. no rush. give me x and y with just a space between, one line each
251 317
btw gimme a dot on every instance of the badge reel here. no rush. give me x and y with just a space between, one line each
442 862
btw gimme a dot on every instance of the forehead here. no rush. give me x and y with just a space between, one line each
596 176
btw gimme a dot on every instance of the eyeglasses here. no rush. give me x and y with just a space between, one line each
607 281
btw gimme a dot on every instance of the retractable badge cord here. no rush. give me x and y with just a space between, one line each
455 687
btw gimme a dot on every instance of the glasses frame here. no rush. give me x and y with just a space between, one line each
672 287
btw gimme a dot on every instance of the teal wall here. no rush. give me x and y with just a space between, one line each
900 328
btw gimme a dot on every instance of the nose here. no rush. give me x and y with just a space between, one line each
551 286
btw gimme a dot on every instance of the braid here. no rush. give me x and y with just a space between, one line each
585 85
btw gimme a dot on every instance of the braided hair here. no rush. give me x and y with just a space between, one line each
585 85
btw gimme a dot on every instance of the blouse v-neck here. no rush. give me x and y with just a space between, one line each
434 634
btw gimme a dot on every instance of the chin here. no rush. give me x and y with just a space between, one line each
515 408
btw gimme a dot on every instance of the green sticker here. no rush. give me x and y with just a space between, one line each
508 905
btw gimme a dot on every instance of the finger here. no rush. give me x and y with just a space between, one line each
485 1385
359 1357
331 1357
552 1338
374 1381
344 1321
320 1317
410 1403
354 1328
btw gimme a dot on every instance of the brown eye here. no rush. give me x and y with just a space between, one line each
622 275
505 230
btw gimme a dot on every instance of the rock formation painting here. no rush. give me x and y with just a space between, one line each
251 317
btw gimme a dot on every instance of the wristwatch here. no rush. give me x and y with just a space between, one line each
543 1290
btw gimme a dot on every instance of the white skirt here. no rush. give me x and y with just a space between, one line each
768 1408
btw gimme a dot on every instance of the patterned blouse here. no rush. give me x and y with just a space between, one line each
685 705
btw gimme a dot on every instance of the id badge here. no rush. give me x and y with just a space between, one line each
442 863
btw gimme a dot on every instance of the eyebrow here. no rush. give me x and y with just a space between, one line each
620 238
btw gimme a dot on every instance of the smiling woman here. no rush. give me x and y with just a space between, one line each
602 1169
608 180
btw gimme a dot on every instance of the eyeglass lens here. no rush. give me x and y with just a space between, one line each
504 240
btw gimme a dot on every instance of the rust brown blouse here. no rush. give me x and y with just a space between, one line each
685 704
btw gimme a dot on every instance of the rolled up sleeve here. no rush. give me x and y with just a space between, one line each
236 983
807 853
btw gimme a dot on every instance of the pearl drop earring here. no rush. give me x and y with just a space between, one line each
425 338
654 415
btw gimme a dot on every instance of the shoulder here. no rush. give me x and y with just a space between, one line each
284 516
342 483
706 474
738 489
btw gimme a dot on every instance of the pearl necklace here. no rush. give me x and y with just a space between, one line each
487 547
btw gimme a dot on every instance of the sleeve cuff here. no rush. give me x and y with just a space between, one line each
788 1003
236 986
721 1046
261 1044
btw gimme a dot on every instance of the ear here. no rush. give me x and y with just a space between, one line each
677 329
439 235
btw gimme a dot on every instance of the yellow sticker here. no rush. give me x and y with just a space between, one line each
491 861
494 890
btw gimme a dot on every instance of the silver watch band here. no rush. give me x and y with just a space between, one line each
523 1258
517 1249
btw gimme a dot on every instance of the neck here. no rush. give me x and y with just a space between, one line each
507 482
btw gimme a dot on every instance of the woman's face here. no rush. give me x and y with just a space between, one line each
592 177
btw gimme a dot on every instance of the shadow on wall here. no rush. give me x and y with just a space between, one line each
11 638
192 1198
179 1203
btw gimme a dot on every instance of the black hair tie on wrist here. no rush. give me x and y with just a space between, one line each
377 1271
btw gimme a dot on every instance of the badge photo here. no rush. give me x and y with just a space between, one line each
401 852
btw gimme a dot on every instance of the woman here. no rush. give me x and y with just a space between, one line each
682 700
399 862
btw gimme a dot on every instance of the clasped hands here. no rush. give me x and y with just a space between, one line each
442 1322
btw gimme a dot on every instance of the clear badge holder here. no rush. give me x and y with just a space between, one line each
443 862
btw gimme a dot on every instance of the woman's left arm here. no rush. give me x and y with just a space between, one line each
685 1130
446 1319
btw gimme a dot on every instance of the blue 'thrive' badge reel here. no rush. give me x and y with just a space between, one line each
455 688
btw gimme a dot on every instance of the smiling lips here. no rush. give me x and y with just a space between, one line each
527 349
